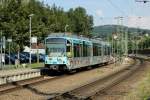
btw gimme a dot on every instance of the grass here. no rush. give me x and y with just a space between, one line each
33 65
144 88
142 92
36 65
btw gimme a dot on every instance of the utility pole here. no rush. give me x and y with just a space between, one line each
1 49
9 41
4 47
138 28
126 42
30 31
120 36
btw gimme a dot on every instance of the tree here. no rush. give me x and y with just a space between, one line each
14 15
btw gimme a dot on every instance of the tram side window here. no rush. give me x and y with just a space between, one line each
81 50
84 50
76 50
105 48
99 51
109 50
95 50
88 50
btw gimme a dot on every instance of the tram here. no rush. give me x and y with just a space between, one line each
66 52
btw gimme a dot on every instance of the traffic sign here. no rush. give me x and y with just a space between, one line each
33 39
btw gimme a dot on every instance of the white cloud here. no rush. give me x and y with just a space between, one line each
99 13
141 22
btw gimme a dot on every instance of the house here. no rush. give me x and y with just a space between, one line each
40 48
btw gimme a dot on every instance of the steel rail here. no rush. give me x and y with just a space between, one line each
83 91
22 84
13 86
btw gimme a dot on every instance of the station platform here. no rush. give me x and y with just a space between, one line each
7 76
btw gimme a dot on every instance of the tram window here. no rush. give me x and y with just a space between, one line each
81 50
89 51
105 48
76 50
99 51
95 50
109 50
84 50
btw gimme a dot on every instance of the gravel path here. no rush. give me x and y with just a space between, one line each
46 90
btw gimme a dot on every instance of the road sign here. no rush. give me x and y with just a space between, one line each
33 39
9 40
4 42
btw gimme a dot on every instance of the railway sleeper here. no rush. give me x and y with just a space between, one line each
69 96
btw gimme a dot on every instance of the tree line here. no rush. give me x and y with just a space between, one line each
14 21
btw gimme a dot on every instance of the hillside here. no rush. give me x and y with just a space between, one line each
106 30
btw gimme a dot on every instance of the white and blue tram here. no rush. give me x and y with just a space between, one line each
69 52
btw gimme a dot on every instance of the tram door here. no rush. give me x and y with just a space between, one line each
69 49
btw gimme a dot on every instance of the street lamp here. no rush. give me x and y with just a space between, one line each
9 41
115 37
30 30
146 35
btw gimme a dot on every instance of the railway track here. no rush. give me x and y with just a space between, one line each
6 88
85 92
13 86
36 81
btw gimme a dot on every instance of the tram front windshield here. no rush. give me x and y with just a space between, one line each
55 47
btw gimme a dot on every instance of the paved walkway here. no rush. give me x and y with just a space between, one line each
16 71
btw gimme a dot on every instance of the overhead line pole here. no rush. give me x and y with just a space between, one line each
30 31
1 50
120 36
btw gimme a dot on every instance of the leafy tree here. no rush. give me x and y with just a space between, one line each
14 18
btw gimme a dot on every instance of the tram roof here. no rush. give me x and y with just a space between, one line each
72 36
63 35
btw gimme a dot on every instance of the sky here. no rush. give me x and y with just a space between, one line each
135 14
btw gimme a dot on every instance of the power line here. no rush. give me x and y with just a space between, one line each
116 7
130 6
